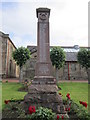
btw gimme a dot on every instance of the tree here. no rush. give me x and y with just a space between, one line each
57 56
21 55
83 57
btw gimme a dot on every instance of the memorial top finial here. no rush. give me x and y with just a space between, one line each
42 10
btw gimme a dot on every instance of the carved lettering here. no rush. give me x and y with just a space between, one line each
44 69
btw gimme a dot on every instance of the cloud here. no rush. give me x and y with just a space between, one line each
71 26
68 21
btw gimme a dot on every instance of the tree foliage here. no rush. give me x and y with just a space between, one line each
21 55
83 57
57 56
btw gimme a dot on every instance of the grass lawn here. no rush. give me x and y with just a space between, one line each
10 90
78 91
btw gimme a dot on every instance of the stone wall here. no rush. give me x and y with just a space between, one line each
4 55
9 67
29 69
0 57
74 72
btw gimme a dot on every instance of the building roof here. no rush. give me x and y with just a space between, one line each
71 52
71 56
7 36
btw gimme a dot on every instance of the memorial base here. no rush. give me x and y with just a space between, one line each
44 95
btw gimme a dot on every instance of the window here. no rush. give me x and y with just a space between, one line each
73 66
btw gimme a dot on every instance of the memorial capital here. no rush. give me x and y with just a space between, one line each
43 14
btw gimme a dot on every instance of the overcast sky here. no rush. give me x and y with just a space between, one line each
68 21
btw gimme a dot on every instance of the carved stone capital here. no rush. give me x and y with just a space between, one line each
43 14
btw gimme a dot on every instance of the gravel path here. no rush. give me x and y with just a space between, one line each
17 80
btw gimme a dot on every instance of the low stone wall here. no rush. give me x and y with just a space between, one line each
76 72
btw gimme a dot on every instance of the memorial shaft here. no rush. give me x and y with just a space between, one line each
43 65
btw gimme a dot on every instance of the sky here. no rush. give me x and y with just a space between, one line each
68 21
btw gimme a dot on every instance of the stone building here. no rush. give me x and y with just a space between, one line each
8 67
71 70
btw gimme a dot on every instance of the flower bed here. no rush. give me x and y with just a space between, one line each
14 109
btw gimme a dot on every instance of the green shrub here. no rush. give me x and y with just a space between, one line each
6 81
79 112
42 114
0 81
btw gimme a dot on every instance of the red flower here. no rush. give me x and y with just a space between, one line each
80 102
62 117
6 101
32 109
57 117
66 109
69 109
68 95
83 103
70 104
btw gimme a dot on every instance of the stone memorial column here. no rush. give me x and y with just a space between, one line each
43 90
43 65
